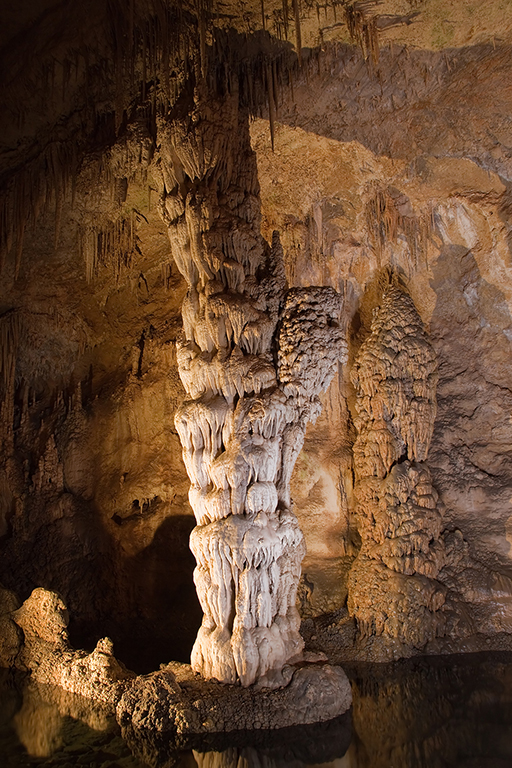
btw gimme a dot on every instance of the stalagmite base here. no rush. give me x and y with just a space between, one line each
177 702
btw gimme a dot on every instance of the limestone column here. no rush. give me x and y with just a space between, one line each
253 359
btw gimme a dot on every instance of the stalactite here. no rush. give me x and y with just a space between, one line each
202 36
363 31
271 103
285 18
166 269
298 36
144 70
275 85
389 214
41 181
20 237
10 330
112 245
144 40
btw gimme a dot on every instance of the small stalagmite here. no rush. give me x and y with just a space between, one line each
253 359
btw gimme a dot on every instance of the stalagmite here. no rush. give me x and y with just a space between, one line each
253 360
394 586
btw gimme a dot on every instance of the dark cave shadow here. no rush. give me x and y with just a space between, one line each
153 613
61 545
166 612
471 456
147 604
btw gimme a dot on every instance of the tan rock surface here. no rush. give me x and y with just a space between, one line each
47 654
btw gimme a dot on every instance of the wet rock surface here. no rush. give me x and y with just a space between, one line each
177 701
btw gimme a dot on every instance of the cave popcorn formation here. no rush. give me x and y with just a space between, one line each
253 360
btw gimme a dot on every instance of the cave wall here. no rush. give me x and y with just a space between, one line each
402 164
95 497
385 185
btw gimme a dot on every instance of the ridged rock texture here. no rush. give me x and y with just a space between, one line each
177 702
253 360
394 587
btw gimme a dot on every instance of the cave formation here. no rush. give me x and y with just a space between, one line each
244 425
256 296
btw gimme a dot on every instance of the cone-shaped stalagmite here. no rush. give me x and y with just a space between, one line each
393 585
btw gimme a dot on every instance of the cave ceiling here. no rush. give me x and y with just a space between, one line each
60 60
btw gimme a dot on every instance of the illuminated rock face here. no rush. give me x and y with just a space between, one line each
253 360
47 654
393 584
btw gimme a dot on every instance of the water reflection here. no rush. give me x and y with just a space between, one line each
309 745
455 712
38 726
43 725
251 758
41 720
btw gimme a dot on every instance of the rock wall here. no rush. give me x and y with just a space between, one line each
94 493
438 220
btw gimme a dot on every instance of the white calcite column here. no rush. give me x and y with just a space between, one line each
253 359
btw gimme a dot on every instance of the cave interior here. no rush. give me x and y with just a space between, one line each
256 282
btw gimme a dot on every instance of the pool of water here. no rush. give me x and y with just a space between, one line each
435 713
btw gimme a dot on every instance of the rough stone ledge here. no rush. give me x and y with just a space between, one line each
176 701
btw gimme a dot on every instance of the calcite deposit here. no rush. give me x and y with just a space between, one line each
201 206
394 584
253 360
